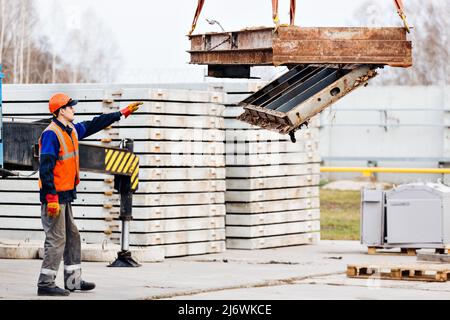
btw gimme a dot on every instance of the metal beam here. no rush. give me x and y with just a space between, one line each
234 71
297 45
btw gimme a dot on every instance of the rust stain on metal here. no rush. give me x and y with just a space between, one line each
341 33
229 57
343 51
297 45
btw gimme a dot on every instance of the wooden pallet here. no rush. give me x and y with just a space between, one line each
402 252
442 251
382 251
416 272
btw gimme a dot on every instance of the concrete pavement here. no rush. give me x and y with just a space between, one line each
298 272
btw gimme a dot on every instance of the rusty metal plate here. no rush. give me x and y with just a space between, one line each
341 33
394 53
297 45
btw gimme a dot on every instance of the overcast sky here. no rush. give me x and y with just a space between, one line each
152 34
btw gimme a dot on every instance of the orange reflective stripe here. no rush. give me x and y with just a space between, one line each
75 145
54 127
68 155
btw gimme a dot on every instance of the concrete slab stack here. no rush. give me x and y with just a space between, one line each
178 136
187 172
272 184
272 196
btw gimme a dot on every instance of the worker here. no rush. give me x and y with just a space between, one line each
58 177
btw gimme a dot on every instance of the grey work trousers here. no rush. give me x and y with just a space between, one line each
62 240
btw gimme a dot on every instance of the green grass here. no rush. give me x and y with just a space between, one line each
339 211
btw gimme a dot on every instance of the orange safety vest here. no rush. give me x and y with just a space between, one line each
67 168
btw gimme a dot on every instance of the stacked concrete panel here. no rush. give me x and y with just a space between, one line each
272 196
179 137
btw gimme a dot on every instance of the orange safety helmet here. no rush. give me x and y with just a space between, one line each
60 100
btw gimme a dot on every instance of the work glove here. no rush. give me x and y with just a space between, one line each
53 209
130 108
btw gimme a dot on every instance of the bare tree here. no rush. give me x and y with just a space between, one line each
28 56
21 40
2 31
17 24
94 52
430 37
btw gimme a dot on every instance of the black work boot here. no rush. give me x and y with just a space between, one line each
54 291
84 286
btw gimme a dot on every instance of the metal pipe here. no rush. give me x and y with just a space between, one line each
125 235
384 125
338 109
376 158
369 170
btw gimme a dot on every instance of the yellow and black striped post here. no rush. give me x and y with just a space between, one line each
116 161
123 162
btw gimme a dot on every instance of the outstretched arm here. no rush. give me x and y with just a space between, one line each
88 128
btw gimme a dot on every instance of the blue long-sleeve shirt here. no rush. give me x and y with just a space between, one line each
50 149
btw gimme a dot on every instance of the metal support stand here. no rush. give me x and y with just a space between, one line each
124 258
123 185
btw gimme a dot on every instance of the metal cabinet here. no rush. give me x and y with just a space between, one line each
372 217
411 215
